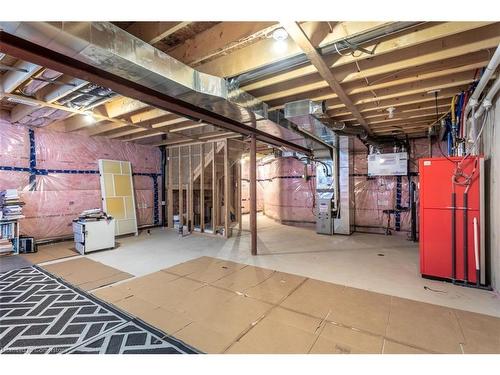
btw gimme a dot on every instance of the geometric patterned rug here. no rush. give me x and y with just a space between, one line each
40 313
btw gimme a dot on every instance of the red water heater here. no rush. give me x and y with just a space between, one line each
451 225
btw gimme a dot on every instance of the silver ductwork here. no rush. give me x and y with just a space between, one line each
333 193
109 48
344 221
303 113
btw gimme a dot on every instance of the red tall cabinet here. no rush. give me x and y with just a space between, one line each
437 216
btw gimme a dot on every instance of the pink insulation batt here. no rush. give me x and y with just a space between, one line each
281 192
285 197
58 197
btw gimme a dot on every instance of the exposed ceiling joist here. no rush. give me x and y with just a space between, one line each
339 109
406 69
352 88
401 44
153 32
220 38
298 35
264 52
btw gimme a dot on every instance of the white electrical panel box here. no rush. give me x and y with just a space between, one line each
392 164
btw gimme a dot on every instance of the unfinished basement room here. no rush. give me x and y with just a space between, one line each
250 187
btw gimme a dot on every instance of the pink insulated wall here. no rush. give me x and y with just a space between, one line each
284 195
63 176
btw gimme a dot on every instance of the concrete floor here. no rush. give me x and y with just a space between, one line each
348 260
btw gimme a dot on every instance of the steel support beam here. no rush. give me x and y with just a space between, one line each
28 51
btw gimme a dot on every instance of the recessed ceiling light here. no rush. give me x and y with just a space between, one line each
280 34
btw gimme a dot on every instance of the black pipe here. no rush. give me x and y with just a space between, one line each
453 241
465 239
413 206
163 151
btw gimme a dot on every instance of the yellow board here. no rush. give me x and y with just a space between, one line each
111 166
123 185
116 208
118 194
129 206
109 184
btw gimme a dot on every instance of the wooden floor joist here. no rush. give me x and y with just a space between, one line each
316 59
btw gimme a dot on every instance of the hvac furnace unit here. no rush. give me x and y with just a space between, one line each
452 245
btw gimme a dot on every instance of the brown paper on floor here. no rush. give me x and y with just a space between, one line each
275 288
341 340
244 278
391 347
47 253
165 320
214 317
191 266
280 332
481 332
86 274
430 327
351 307
215 271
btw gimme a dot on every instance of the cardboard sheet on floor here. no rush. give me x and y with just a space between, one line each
280 332
335 339
430 327
391 347
191 266
244 279
235 308
481 332
275 288
215 271
47 253
86 274
351 307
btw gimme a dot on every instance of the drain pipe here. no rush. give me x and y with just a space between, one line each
487 101
490 69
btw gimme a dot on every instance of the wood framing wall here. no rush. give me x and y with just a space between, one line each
204 188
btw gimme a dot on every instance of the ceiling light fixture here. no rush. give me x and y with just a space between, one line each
280 34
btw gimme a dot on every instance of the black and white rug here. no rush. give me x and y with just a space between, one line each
40 313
